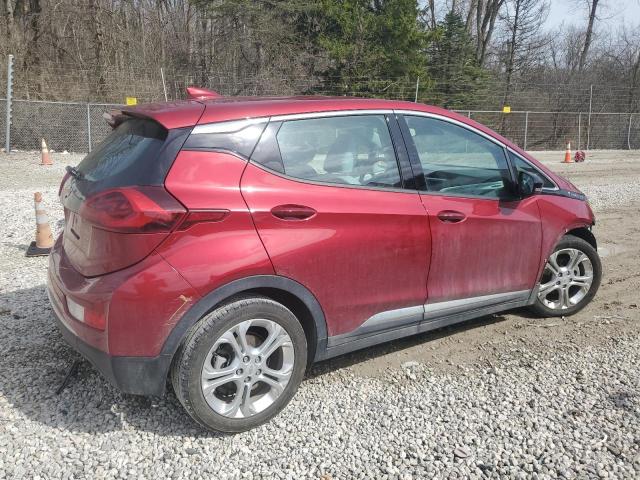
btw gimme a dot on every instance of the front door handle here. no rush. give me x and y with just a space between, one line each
293 212
451 216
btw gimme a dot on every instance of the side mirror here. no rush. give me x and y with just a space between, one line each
528 184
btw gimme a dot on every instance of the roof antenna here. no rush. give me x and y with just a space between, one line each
199 93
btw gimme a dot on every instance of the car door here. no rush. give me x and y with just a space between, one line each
485 241
327 199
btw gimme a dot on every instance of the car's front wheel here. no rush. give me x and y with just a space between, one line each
240 365
570 278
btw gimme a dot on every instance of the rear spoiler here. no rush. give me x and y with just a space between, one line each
199 93
114 117
164 113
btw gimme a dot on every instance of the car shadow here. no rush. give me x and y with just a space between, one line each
36 360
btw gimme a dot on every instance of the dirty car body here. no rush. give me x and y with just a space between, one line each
369 220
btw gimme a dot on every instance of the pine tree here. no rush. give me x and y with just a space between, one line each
456 77
371 45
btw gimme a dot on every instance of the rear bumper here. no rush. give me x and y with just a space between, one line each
144 371
135 375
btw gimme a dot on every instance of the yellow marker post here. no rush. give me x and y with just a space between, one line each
506 109
132 101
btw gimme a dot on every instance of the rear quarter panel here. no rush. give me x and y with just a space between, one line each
211 254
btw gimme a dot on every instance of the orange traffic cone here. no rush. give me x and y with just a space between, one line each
567 154
46 157
44 237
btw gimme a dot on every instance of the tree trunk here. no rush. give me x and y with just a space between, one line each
98 48
486 14
512 52
432 11
473 6
9 9
588 35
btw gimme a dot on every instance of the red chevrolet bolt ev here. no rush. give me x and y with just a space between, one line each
227 243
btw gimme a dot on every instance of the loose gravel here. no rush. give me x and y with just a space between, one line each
568 410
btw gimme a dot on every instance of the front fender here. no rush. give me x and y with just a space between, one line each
560 215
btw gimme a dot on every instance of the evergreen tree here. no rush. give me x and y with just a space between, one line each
456 78
371 45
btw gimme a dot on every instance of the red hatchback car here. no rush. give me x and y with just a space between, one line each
227 243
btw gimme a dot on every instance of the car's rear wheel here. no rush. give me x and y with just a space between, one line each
240 365
570 278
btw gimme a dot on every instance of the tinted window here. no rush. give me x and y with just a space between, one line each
267 152
236 136
524 166
137 152
128 144
352 150
457 161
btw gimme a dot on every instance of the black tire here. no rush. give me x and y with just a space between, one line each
570 241
189 360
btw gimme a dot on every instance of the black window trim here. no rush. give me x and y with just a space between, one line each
415 159
407 175
399 146
538 171
224 126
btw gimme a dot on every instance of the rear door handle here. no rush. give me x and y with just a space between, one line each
451 216
293 212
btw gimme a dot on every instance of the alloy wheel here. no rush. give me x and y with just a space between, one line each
566 279
247 368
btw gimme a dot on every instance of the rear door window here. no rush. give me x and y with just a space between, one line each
349 150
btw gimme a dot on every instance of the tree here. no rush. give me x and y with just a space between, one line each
480 23
623 57
368 41
593 6
524 20
255 41
486 14
453 67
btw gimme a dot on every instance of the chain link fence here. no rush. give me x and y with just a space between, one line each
553 130
78 127
72 126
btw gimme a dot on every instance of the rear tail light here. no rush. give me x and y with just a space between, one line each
94 316
133 210
202 216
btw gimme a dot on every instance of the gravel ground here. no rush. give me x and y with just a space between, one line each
502 396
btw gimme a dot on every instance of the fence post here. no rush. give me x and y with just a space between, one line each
89 126
526 128
417 86
589 119
579 130
7 138
629 132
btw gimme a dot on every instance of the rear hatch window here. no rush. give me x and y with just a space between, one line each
116 207
131 155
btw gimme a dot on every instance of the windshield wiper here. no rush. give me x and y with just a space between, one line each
74 172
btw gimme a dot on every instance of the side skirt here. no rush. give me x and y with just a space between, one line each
430 317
